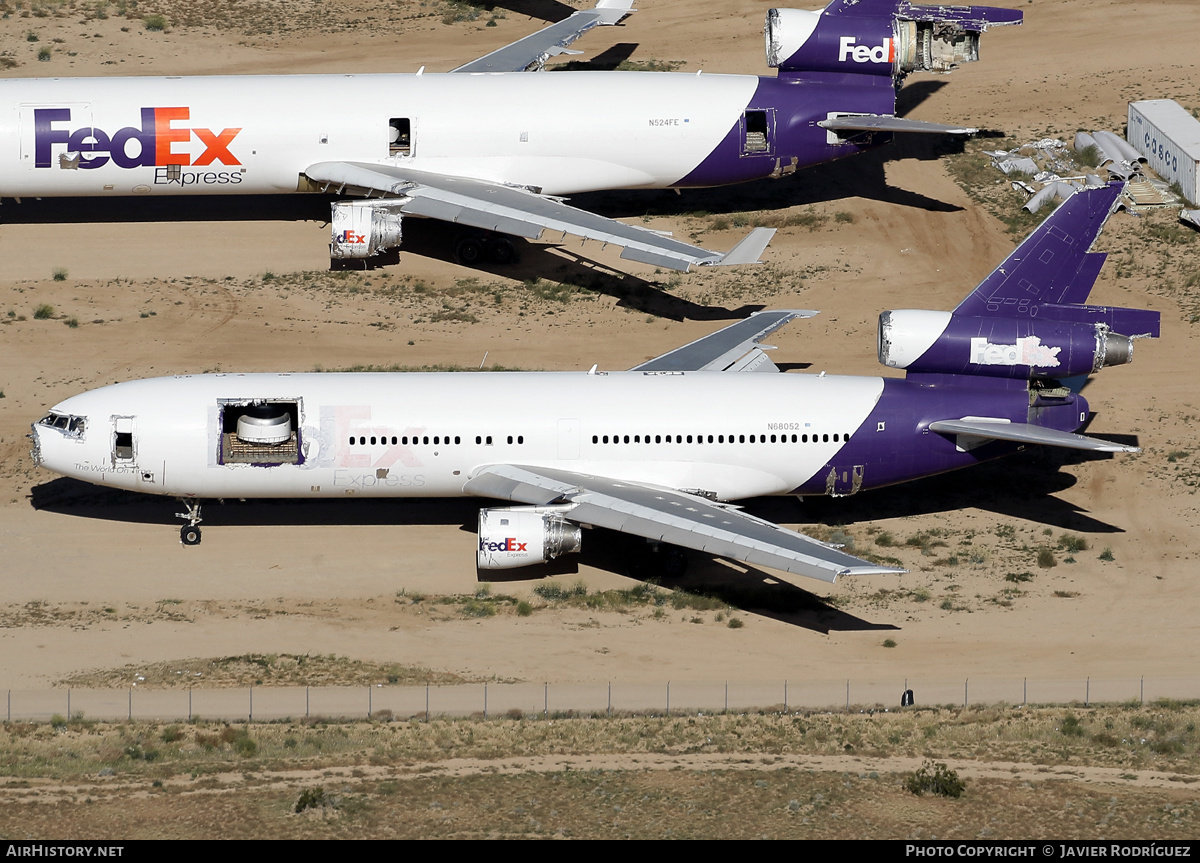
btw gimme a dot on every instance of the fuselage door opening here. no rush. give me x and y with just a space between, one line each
758 132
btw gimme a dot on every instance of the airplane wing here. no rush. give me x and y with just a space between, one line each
970 433
736 348
670 516
531 53
522 213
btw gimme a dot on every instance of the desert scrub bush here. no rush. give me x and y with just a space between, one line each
155 22
1072 543
1045 558
43 312
935 779
312 798
60 274
1107 554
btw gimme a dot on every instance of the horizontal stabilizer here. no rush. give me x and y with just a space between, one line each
888 123
1024 433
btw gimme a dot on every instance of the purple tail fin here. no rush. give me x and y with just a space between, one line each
1050 275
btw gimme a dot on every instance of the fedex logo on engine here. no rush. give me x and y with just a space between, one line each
156 139
348 236
509 544
885 53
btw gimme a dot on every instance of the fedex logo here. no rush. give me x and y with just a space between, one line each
509 544
156 139
349 236
885 53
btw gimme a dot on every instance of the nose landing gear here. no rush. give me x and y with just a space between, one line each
189 534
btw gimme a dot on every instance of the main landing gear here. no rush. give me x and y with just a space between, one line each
473 249
189 534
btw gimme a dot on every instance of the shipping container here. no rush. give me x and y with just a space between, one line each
1169 138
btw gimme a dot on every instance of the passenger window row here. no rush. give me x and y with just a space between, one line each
837 437
424 440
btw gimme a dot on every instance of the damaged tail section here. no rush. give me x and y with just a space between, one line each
878 37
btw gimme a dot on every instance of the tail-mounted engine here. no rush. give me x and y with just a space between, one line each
942 342
881 38
362 229
945 343
523 536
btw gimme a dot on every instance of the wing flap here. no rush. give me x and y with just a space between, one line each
971 433
510 210
531 53
676 517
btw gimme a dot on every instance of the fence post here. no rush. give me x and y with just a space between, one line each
250 715
546 700
1024 691
610 699
306 701
427 703
131 704
370 701
1142 692
189 704
485 701
726 696
668 698
1087 691
966 700
785 707
847 694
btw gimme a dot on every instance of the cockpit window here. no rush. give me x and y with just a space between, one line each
65 422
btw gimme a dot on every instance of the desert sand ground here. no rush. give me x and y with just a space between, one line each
161 297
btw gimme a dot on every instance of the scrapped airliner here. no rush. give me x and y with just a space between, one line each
656 451
489 146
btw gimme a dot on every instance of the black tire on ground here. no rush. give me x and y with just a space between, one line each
189 534
468 251
502 251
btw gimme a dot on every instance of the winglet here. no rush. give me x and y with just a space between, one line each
749 250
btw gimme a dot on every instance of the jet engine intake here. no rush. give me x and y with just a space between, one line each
524 536
362 229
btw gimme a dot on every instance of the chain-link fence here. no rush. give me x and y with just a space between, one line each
267 703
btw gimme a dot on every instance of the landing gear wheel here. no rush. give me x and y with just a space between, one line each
189 534
469 251
674 562
502 251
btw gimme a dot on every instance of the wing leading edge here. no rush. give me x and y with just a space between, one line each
670 516
519 212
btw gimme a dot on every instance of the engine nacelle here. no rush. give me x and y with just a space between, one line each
364 228
523 536
941 342
915 39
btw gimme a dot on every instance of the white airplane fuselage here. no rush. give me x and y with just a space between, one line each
561 133
425 434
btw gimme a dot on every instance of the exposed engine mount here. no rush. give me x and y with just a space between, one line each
940 342
523 536
362 229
